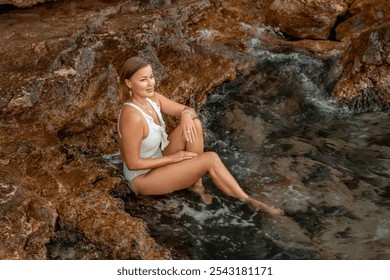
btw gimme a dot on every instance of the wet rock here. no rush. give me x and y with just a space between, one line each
104 223
26 223
59 103
363 15
324 49
305 19
365 83
59 106
353 32
23 3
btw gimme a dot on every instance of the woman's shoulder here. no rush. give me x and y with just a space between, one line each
130 114
156 98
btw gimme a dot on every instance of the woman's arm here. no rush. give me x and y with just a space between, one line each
132 127
173 108
187 114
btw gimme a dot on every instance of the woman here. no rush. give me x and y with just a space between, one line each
157 164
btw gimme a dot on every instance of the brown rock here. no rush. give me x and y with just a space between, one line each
305 19
59 103
23 3
59 107
26 223
364 15
365 83
362 29
323 49
103 222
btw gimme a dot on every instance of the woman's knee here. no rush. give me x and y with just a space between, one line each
198 125
211 158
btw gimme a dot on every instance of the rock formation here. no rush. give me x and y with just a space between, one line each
59 104
357 31
365 82
305 19
23 3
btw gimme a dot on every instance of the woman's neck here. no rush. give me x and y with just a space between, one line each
139 100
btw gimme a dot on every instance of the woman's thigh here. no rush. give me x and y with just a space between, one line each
172 177
177 142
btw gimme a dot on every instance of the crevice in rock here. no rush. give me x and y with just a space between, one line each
367 102
340 19
7 8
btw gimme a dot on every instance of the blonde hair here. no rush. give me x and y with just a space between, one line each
129 68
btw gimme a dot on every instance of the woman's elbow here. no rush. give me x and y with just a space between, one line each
132 165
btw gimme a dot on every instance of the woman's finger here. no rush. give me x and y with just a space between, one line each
187 133
195 132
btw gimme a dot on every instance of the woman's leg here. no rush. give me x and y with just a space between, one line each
180 175
177 142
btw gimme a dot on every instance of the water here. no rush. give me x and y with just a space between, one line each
282 136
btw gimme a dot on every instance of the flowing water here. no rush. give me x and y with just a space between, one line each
282 136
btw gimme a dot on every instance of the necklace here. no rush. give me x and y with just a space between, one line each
146 106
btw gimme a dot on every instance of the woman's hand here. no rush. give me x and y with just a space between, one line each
182 155
188 126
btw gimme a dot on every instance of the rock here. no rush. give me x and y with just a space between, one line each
363 15
23 3
323 49
59 104
107 227
304 19
360 44
365 83
26 223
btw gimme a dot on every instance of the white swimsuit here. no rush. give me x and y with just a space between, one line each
153 144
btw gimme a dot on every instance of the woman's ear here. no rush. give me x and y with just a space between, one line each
128 83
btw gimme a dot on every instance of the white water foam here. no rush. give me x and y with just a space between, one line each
304 67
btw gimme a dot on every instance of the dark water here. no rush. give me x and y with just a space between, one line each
284 139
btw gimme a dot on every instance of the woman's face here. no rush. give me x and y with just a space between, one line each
142 82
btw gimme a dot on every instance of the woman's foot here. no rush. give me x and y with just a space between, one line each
205 197
262 206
